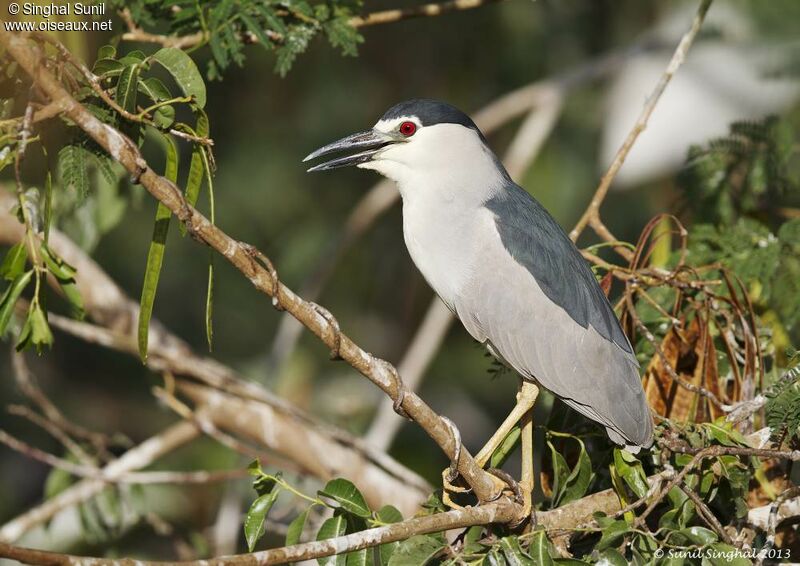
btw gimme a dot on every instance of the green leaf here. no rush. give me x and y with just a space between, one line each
184 71
107 67
332 528
417 550
347 496
255 29
155 255
10 298
612 557
509 442
106 52
154 89
164 116
296 527
357 558
127 87
560 471
699 535
388 514
254 522
73 170
57 266
575 485
539 549
14 262
198 168
515 556
36 330
630 469
612 534
273 21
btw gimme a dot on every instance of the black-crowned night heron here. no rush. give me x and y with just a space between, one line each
505 267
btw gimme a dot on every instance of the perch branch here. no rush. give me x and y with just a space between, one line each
251 264
106 303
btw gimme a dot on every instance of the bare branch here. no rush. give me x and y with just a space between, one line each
241 256
591 216
91 472
135 458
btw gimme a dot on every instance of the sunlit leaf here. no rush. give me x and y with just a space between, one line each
296 527
256 518
184 71
332 528
155 255
348 497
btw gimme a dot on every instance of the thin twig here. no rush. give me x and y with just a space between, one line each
706 514
135 458
591 216
135 33
772 523
92 472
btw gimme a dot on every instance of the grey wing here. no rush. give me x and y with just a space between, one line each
574 347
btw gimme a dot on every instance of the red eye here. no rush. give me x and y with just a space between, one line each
408 128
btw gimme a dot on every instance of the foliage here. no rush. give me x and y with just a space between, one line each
136 101
783 407
227 26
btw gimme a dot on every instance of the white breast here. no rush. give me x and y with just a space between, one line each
444 240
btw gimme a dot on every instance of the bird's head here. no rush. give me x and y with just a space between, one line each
414 138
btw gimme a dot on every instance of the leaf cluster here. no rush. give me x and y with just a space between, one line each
228 26
125 92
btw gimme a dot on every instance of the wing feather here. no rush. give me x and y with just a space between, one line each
539 307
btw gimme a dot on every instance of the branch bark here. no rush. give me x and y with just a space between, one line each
251 263
380 476
591 216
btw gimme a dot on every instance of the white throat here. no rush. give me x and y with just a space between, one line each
445 173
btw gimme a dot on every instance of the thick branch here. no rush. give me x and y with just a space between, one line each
251 263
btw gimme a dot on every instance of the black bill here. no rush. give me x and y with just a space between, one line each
370 140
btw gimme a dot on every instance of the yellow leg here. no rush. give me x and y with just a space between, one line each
527 477
526 397
522 413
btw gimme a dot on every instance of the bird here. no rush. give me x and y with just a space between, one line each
505 267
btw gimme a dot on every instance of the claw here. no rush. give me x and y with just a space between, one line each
452 472
397 405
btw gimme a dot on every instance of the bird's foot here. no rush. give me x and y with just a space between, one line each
397 402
